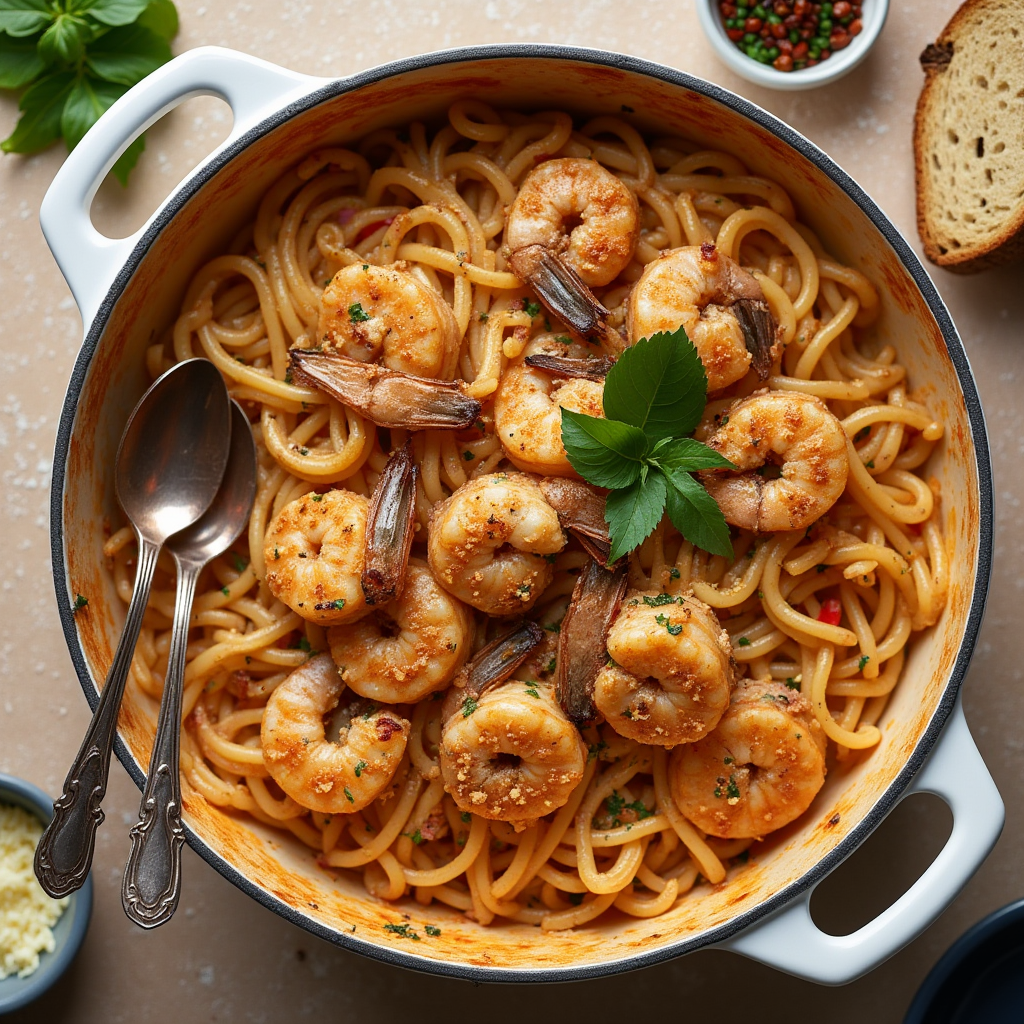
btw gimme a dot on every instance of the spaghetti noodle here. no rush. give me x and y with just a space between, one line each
826 611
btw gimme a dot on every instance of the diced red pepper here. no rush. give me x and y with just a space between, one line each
831 611
735 34
365 232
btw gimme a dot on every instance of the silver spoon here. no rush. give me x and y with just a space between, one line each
169 466
152 876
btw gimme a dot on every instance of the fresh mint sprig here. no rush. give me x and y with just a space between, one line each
74 58
653 397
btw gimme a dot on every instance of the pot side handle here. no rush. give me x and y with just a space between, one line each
90 261
790 941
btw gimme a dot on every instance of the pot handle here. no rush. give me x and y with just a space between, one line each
790 941
89 260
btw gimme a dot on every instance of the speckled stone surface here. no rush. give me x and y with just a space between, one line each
224 958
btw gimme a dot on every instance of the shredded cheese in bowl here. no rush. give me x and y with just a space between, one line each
27 914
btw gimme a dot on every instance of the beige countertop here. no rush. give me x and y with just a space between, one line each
223 957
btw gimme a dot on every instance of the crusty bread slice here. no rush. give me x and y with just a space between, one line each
969 139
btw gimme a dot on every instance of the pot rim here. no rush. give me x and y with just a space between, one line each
886 800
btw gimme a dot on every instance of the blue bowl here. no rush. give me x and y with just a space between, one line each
981 976
68 932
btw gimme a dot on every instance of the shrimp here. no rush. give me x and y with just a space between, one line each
370 313
409 648
795 432
314 551
562 262
759 770
330 555
672 670
719 304
510 755
487 543
389 398
529 401
331 778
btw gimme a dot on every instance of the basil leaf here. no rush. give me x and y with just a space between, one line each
65 39
19 63
633 512
117 12
88 100
605 452
659 385
127 55
128 159
687 455
24 17
161 17
696 515
41 106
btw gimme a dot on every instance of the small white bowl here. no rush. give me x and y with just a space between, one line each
840 63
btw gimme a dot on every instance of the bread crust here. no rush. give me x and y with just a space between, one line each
1008 245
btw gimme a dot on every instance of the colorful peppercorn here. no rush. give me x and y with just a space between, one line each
791 34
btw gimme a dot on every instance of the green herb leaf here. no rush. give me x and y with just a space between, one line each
531 308
126 55
687 455
89 98
19 63
117 12
658 385
432 930
41 106
469 705
696 515
633 512
605 452
356 314
65 39
80 602
360 766
161 17
24 17
348 795
674 628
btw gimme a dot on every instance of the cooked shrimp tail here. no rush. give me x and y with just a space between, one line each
389 398
572 369
581 644
564 294
758 327
498 660
389 528
581 511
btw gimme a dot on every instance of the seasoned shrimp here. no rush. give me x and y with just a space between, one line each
511 754
332 778
314 550
389 398
719 304
558 193
562 262
758 770
387 314
529 401
798 434
487 543
409 648
672 673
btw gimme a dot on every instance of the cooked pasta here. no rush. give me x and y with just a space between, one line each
410 252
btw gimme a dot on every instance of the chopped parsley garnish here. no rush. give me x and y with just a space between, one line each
317 497
403 930
864 659
531 308
80 602
417 837
468 707
674 629
532 691
732 791
239 563
744 641
484 317
356 314
432 930
468 456
673 573
594 750
348 795
523 591
338 603
466 817
657 602
552 665
360 767
792 683
225 591
869 465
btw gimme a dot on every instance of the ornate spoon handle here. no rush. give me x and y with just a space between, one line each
64 853
152 876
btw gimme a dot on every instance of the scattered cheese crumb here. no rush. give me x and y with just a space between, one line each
26 912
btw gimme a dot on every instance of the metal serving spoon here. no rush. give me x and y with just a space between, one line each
152 876
169 466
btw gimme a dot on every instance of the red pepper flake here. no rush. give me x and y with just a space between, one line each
831 611
365 232
386 728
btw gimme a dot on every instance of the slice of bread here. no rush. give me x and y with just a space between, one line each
969 139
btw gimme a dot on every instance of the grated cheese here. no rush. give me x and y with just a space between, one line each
27 914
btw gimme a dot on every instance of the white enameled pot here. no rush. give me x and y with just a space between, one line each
130 288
